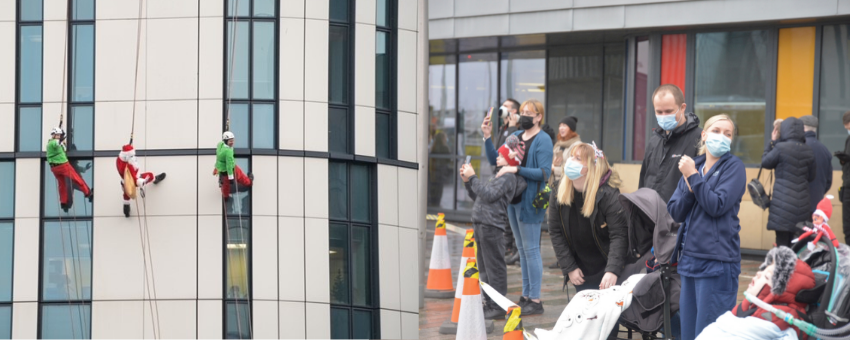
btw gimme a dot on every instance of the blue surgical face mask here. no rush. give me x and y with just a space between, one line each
848 132
717 144
668 122
573 169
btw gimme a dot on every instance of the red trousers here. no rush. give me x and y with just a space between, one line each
63 172
144 179
239 176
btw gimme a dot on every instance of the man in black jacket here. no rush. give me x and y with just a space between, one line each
679 134
844 158
823 162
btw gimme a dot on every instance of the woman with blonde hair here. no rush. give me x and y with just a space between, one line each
534 150
708 248
587 224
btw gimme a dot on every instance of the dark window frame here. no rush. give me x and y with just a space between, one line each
250 101
390 113
349 107
373 254
249 300
19 23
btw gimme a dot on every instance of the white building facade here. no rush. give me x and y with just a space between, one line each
324 99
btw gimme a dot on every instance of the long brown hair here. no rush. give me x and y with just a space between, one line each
596 169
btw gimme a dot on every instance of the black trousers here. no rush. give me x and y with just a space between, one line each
783 238
491 258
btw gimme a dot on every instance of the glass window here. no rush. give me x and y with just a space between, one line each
362 324
340 324
338 176
360 193
238 258
383 95
240 202
31 10
731 78
237 59
83 10
613 125
64 321
339 58
82 69
339 10
264 8
238 324
7 240
29 129
641 69
338 130
382 13
575 75
477 95
382 135
361 267
834 87
339 264
30 63
6 322
241 10
239 124
81 207
263 60
80 132
66 261
263 126
523 77
7 189
443 131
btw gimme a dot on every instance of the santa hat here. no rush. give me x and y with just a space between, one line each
505 152
127 152
825 208
513 145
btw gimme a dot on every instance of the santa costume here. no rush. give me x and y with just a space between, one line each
126 161
63 171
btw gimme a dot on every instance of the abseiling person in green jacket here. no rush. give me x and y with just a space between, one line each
226 168
63 170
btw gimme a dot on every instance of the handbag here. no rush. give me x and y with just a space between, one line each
759 196
541 200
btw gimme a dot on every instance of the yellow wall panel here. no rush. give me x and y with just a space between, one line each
795 72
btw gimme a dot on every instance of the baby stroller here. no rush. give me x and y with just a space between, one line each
829 301
656 296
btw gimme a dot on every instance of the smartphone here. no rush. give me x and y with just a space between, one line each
468 159
489 113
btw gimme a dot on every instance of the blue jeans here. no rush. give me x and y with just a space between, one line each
703 299
527 237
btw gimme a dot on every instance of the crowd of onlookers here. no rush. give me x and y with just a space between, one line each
552 175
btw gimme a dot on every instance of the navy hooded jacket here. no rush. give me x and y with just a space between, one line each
823 164
709 214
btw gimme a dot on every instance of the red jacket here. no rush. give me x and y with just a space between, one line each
802 278
132 165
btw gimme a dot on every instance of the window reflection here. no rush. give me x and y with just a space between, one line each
523 76
262 134
64 321
834 87
238 320
81 207
7 194
237 260
6 322
82 70
575 75
731 78
80 131
7 238
237 58
66 261
263 72
613 106
339 275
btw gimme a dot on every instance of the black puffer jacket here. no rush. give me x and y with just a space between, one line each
609 222
795 167
660 168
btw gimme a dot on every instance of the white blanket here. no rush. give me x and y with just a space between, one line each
729 326
592 314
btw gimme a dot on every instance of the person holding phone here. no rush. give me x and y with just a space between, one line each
844 160
524 218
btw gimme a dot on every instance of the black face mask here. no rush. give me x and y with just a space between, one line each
526 122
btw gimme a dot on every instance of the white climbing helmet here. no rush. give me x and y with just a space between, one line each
57 131
227 135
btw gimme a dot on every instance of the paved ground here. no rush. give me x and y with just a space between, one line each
437 311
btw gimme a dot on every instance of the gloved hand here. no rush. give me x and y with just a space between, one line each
230 177
842 157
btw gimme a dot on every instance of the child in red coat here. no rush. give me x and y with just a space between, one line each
126 161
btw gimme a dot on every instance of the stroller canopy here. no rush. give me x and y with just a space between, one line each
650 225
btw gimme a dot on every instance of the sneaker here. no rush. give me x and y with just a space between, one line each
65 207
126 210
511 259
493 313
251 177
532 308
159 178
522 301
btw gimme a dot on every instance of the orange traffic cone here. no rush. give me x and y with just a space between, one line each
440 271
470 324
513 328
450 326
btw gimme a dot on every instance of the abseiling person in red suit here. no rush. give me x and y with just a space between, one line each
127 161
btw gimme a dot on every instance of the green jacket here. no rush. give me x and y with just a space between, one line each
55 152
224 161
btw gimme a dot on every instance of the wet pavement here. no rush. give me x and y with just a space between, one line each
437 311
